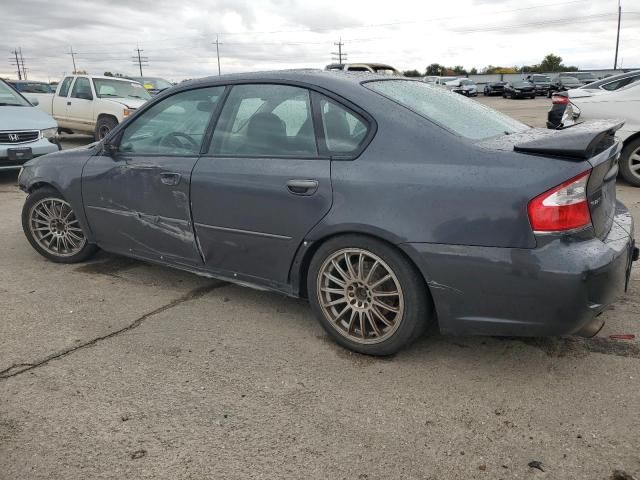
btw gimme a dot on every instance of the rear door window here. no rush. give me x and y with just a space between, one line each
344 130
266 120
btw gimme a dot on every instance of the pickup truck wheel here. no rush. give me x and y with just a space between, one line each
104 126
630 162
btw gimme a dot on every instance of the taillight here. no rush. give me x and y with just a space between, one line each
564 207
559 100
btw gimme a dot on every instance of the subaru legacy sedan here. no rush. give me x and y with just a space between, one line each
390 204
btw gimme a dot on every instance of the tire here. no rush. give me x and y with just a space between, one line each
349 311
104 125
67 242
629 159
504 95
533 96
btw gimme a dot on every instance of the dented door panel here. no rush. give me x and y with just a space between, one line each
140 205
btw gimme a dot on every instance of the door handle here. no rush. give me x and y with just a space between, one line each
169 178
302 187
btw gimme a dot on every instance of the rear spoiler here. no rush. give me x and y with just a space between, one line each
580 141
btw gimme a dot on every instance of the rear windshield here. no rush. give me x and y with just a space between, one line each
458 114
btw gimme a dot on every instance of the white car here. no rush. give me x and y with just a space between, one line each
94 105
623 104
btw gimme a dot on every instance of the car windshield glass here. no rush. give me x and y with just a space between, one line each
541 78
521 84
33 87
586 76
106 88
466 82
570 80
152 83
460 115
384 70
9 97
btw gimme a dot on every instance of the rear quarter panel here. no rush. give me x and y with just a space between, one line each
417 182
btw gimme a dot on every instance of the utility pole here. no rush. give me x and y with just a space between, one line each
73 58
615 62
24 70
16 62
218 53
140 60
339 53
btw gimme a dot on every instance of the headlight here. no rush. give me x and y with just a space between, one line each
49 133
128 111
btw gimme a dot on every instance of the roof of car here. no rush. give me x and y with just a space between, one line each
326 78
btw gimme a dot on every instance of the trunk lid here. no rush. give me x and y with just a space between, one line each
593 142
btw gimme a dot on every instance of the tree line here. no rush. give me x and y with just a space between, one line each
550 63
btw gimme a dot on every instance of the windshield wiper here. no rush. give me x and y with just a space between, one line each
137 96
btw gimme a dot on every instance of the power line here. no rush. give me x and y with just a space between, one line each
140 60
339 53
615 62
73 58
16 62
218 53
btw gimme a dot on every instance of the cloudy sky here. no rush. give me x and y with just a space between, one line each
177 36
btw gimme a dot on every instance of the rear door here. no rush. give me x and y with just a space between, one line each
262 185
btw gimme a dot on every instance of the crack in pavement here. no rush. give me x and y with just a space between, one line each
19 368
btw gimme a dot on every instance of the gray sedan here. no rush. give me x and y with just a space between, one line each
390 204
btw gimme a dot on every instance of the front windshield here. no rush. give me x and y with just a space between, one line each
541 78
466 82
154 83
521 84
586 76
10 98
108 88
456 113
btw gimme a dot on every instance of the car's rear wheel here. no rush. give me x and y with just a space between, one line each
630 162
367 296
51 226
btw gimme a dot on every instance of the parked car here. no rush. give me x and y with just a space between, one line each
613 82
623 103
439 81
389 203
584 77
562 83
542 83
153 85
29 86
519 89
94 105
26 132
494 88
463 86
380 68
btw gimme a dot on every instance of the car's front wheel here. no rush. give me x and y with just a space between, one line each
52 228
104 125
367 295
630 162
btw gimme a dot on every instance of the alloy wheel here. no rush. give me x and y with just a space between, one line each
55 228
360 295
634 162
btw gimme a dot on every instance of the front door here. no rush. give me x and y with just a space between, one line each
262 186
80 106
137 200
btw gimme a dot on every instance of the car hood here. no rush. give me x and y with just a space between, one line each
132 103
25 118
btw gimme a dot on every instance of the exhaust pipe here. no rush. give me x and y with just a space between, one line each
592 328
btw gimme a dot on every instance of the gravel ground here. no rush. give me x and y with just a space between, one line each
120 369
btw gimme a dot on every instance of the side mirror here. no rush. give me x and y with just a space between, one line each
110 149
34 101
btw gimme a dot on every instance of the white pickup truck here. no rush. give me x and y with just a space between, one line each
93 104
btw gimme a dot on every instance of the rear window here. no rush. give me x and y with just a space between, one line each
458 114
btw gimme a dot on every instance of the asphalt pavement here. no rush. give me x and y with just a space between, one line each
120 369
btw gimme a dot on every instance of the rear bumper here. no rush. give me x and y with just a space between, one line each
555 289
